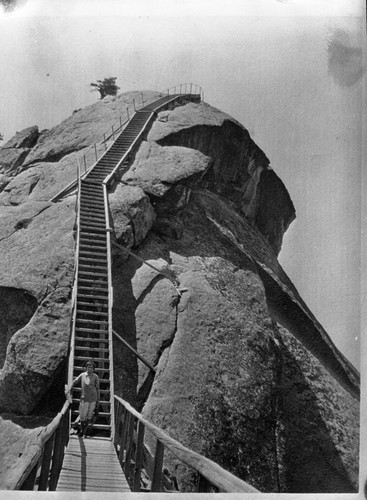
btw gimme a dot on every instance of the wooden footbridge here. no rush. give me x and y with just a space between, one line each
116 458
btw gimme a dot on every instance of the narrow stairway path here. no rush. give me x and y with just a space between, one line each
92 464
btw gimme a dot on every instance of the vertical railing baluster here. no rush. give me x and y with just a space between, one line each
29 483
46 461
113 133
129 448
139 456
95 150
158 464
85 164
58 454
124 436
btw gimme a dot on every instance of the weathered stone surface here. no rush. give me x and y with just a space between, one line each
33 263
12 159
318 424
16 434
157 168
239 170
225 374
26 138
83 128
132 213
41 182
245 374
16 309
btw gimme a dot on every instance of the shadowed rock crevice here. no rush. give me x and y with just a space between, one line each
16 309
312 459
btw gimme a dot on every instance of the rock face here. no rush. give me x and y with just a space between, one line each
245 373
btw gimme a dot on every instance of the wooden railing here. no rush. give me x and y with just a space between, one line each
39 466
110 302
140 466
93 154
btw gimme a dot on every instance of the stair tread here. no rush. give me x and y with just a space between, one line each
91 339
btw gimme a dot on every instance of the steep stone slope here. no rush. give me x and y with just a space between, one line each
245 373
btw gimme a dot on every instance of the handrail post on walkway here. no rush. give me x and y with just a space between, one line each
158 465
139 456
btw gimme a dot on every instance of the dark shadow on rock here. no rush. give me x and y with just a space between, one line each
17 307
311 462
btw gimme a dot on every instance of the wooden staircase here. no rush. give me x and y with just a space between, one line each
92 328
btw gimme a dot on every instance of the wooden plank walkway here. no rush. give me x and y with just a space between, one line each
91 465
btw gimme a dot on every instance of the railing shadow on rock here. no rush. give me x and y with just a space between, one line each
87 161
145 472
38 468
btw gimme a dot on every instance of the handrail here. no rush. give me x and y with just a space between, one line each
139 356
75 286
215 475
119 124
40 465
110 302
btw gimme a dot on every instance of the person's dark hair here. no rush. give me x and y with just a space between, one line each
89 363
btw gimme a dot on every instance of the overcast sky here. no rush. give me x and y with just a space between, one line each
289 70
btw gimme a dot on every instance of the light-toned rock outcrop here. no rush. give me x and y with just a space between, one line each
245 373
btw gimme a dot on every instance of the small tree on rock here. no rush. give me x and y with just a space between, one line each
106 87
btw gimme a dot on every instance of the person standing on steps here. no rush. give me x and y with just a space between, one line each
89 398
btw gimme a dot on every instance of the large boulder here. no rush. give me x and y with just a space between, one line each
244 372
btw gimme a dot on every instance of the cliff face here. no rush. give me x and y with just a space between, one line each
245 373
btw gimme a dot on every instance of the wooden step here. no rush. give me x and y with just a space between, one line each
94 321
91 296
92 274
95 250
100 370
90 285
87 239
93 349
98 261
92 229
91 267
90 339
86 358
83 312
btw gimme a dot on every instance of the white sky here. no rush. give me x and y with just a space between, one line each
263 62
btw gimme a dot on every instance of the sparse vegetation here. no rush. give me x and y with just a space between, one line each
106 87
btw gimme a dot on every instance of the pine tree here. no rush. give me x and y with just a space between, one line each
106 87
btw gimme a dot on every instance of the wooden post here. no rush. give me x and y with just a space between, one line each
56 459
124 435
113 133
46 461
28 484
118 414
95 150
138 457
129 448
158 464
134 104
85 164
